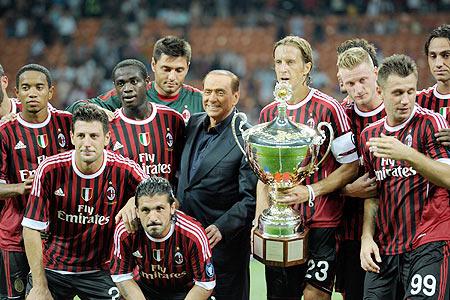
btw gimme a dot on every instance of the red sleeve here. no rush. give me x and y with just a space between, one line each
122 261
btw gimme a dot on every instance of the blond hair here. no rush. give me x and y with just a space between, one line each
353 57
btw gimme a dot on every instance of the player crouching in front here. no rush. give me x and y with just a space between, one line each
170 249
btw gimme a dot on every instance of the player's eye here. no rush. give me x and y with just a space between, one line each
220 93
207 92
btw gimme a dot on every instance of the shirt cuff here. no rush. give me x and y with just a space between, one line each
207 285
33 224
122 277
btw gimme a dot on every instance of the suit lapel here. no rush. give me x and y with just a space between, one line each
215 152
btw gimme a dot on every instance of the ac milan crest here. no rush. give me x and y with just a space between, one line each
408 140
158 254
144 138
169 139
178 258
42 140
110 193
87 193
61 140
186 114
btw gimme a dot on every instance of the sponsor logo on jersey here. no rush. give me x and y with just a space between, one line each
61 140
178 258
42 140
59 192
210 270
144 138
87 193
117 146
20 145
158 254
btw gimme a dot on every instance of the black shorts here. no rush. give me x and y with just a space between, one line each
97 285
288 283
419 274
349 274
13 274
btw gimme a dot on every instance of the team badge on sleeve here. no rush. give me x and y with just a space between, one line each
210 270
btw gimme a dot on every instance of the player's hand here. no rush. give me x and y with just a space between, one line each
39 293
213 234
109 113
369 248
389 147
294 195
363 187
129 216
9 117
443 136
25 187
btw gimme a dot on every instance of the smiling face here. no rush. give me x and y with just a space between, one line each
218 97
170 73
399 95
439 59
360 84
131 86
33 91
155 214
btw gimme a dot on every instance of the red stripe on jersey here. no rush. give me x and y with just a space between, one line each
444 271
408 216
196 232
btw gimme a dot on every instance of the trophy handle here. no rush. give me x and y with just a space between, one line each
241 124
322 133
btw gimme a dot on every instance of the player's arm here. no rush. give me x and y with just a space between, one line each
436 171
108 101
335 181
33 249
198 293
364 187
368 246
8 190
130 290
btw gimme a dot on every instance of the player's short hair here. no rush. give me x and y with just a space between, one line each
172 46
90 113
362 43
130 63
397 64
234 78
353 57
2 71
154 186
300 43
37 68
442 31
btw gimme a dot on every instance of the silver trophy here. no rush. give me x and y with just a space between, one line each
282 154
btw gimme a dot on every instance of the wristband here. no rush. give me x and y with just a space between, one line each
311 194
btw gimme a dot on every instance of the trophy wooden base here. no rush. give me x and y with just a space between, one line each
280 251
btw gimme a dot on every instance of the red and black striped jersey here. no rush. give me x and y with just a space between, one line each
79 209
412 210
173 263
154 143
23 146
431 99
352 218
315 108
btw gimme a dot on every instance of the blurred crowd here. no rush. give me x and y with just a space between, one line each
82 67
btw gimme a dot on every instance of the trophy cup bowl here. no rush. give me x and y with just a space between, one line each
282 154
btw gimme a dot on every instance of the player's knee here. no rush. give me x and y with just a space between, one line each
312 293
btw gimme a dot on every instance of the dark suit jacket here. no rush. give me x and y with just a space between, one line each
222 192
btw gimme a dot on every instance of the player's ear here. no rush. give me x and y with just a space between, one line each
107 138
71 138
153 64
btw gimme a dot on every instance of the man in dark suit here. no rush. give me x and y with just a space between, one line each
217 187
